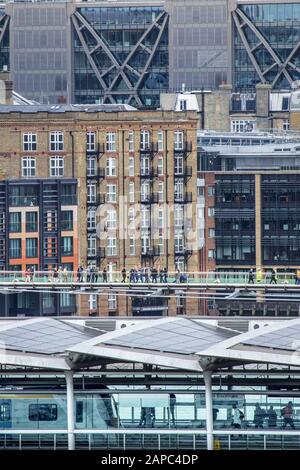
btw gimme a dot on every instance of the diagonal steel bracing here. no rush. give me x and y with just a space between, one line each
4 27
241 20
80 23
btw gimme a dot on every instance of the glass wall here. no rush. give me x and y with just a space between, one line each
121 29
280 26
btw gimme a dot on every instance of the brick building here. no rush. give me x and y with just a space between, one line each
136 175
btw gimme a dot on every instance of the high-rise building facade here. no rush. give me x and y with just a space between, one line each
264 43
115 52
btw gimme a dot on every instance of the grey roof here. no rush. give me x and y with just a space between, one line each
48 336
285 338
87 108
183 336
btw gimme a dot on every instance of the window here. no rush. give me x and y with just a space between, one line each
286 125
160 141
160 191
132 246
91 169
42 412
145 217
91 220
145 191
56 143
211 232
211 190
111 246
112 302
178 140
160 218
178 216
111 220
183 105
211 211
15 222
178 242
242 125
67 220
160 166
161 245
111 193
67 246
50 221
2 221
31 247
131 141
110 141
31 222
131 166
131 192
79 404
56 166
15 248
145 166
131 217
91 141
178 190
91 193
211 254
145 243
29 142
111 167
28 167
178 165
5 411
93 305
145 140
91 246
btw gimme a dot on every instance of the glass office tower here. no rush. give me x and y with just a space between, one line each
120 55
4 40
265 44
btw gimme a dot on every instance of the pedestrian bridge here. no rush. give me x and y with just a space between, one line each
227 285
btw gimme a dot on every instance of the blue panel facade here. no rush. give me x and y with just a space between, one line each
268 35
107 39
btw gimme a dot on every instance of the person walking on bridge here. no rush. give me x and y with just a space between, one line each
273 276
251 277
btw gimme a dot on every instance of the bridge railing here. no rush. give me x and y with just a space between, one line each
70 277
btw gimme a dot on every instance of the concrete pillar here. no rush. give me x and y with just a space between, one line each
258 255
209 410
262 105
70 409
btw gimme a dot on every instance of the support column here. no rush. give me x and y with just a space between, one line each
209 410
258 260
70 409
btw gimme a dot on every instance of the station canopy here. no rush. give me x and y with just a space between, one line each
176 343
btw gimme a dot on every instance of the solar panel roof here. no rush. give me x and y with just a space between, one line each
47 337
181 336
287 338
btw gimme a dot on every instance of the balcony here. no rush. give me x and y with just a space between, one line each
184 251
184 148
186 197
99 254
23 201
97 150
186 172
99 174
96 201
152 252
151 199
153 173
149 149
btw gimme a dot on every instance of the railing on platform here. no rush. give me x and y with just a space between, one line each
149 439
71 277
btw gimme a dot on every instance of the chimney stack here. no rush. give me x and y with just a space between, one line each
6 87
